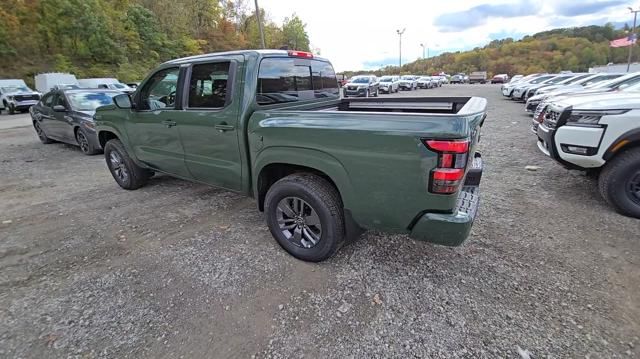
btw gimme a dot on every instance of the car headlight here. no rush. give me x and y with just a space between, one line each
591 117
10 98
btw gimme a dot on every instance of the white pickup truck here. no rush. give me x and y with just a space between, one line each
599 133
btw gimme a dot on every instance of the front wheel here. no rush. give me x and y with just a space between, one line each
619 182
41 135
366 94
126 173
85 145
305 216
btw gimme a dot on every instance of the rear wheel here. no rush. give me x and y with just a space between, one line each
126 173
619 183
305 216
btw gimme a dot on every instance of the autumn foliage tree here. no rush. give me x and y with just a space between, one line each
126 38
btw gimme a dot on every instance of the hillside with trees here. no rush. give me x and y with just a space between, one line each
126 38
574 49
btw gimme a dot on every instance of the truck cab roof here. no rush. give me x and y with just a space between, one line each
261 53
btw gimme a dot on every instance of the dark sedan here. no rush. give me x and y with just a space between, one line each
67 116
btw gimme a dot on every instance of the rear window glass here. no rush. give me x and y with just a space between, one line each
282 80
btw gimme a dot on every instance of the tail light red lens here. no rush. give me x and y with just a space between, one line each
304 54
452 161
452 146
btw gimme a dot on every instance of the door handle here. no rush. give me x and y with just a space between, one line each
169 123
222 127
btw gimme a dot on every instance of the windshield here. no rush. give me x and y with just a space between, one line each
405 77
576 78
386 79
556 80
12 89
613 83
540 79
360 80
598 79
89 101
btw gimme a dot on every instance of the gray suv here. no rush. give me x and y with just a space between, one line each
362 86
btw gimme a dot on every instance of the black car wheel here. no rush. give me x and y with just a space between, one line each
85 145
126 173
305 216
41 135
619 182
12 109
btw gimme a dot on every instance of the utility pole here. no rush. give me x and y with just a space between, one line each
260 25
422 46
400 57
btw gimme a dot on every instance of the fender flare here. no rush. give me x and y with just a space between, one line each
631 137
316 159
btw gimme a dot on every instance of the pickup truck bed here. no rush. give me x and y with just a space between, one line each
373 148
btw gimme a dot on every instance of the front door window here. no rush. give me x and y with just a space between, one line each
160 91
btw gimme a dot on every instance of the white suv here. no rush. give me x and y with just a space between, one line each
599 133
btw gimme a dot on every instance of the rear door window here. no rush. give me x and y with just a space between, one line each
208 85
282 80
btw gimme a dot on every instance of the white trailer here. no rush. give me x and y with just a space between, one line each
53 80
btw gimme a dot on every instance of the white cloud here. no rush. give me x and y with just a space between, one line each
352 33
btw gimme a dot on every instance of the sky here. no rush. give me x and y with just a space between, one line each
362 34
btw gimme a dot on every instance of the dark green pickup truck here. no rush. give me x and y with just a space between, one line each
271 124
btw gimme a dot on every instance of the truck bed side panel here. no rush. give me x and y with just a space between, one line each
386 165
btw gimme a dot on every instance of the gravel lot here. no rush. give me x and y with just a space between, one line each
179 269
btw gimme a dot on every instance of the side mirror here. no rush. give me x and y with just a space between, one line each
123 101
59 108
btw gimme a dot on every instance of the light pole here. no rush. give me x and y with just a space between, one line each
400 57
422 46
632 36
260 25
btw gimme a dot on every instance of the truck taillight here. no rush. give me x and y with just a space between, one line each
452 160
304 54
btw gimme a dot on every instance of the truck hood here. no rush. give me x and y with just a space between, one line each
19 93
602 101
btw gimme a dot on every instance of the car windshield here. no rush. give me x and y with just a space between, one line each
540 79
405 77
425 78
556 80
361 80
386 79
89 101
613 83
12 89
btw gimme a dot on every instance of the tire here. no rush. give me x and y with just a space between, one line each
619 182
376 93
41 135
127 174
318 196
12 109
85 145
367 94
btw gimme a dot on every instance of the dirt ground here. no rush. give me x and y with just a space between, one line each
177 269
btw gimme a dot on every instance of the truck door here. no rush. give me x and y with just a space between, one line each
153 126
209 123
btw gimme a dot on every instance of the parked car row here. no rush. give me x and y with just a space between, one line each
16 96
371 85
589 122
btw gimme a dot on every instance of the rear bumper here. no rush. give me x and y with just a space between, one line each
451 229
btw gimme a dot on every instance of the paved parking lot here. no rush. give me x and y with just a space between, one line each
179 269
